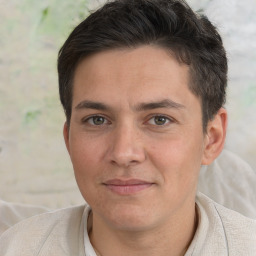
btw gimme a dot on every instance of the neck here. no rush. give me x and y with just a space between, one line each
172 238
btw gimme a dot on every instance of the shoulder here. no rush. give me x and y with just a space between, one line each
230 181
239 232
12 213
50 231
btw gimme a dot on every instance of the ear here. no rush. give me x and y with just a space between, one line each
66 135
215 137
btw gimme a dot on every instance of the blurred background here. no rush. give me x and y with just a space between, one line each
34 165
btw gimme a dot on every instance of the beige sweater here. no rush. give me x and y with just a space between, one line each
64 232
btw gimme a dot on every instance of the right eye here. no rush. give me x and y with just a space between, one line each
96 120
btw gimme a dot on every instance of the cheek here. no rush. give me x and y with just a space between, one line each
85 153
177 159
86 157
86 167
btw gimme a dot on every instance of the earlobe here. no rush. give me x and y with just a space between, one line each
66 135
215 137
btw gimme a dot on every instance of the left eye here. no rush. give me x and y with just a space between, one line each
159 120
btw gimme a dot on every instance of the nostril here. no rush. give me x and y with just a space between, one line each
124 162
126 148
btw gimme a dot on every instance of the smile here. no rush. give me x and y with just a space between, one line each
127 187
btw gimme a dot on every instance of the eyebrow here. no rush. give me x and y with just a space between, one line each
166 103
92 105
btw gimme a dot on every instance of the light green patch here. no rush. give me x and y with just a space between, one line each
45 12
58 18
250 96
31 117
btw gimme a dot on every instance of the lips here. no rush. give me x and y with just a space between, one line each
127 187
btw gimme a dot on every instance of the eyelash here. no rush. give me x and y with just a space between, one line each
168 120
87 120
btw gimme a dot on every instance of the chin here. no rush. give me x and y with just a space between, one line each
129 218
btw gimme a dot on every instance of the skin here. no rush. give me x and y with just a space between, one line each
136 143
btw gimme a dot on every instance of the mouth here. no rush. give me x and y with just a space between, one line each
127 187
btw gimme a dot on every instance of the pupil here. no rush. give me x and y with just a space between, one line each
160 120
98 120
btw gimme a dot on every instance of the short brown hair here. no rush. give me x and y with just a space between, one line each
170 24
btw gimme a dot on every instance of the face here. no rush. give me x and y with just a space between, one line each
135 137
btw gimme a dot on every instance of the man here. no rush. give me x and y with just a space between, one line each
142 83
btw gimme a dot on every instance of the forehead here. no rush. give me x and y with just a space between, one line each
142 74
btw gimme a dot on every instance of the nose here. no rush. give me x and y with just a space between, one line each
127 147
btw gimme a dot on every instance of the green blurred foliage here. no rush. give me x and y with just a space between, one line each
32 32
31 116
54 17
